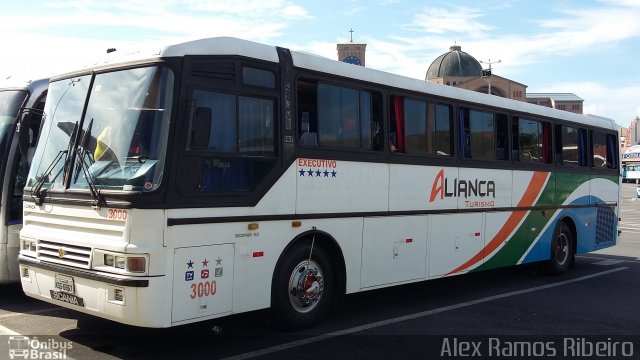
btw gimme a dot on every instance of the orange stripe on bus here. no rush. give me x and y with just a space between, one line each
533 189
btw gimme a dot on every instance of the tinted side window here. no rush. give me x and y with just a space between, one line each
224 129
258 77
604 149
415 126
256 133
427 128
483 135
533 141
338 114
338 117
571 146
221 114
442 128
569 143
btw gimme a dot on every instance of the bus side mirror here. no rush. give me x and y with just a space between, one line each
24 135
201 128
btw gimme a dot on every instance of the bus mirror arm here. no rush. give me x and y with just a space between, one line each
24 138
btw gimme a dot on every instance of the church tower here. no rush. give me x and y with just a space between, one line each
352 53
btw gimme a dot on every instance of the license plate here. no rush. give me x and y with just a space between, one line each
68 298
65 283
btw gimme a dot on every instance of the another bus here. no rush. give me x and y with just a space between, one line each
631 164
24 99
631 172
221 176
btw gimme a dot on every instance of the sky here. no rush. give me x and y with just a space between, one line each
587 47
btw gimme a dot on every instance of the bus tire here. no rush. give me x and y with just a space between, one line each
303 288
562 251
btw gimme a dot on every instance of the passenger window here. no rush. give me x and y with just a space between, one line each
338 114
338 117
258 77
222 122
255 126
604 150
232 123
583 157
483 135
425 127
569 142
599 150
224 127
533 141
571 146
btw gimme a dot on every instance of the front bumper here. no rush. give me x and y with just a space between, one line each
126 299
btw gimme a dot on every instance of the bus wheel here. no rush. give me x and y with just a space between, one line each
302 287
561 249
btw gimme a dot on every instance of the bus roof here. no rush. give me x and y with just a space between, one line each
29 85
234 46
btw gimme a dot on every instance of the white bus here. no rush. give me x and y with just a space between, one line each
19 100
631 164
221 176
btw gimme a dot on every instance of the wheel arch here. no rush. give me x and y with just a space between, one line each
329 244
568 220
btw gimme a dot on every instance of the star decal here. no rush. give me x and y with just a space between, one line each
326 173
301 172
218 261
190 264
318 173
205 262
333 173
310 172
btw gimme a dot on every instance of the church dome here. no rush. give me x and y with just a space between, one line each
455 63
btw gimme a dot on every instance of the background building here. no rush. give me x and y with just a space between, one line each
458 68
352 53
562 101
633 132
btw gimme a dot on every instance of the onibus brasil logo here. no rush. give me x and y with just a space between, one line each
23 347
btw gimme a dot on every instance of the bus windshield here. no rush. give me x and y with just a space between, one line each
109 132
10 102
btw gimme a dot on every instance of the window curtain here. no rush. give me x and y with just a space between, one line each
399 113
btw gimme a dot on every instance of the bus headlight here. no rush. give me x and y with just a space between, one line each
109 259
120 263
28 247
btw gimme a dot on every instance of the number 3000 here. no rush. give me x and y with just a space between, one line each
203 289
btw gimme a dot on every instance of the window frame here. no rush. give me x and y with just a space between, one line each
464 117
428 136
309 115
190 161
516 150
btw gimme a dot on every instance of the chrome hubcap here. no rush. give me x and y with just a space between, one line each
306 285
562 249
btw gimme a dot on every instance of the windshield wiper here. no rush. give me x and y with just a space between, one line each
81 154
80 150
36 193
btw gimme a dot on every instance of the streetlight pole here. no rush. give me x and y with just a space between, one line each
487 74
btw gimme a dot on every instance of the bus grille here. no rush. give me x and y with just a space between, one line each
77 256
605 224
